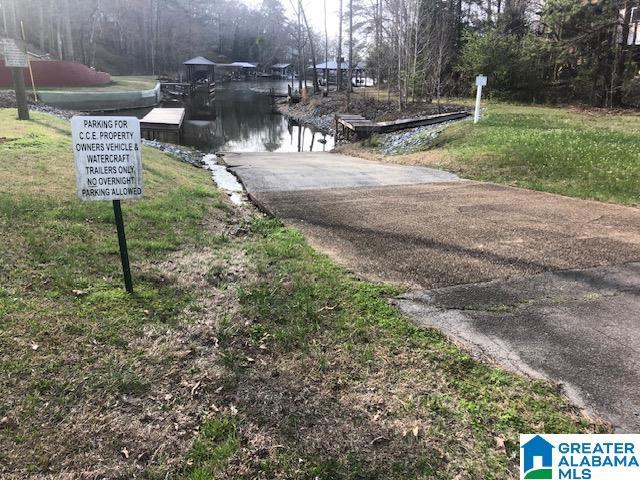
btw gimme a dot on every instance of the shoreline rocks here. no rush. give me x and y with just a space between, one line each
413 140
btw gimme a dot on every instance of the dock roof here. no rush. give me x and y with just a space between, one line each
281 65
237 65
199 61
333 65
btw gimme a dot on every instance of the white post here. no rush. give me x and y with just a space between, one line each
481 81
476 116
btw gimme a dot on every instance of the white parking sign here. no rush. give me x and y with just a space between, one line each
108 157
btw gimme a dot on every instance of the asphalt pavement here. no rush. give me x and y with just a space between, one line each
544 284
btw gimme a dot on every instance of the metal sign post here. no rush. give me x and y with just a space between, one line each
481 81
122 242
109 167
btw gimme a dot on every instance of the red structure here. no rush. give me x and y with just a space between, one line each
57 73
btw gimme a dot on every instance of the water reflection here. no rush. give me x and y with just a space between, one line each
245 122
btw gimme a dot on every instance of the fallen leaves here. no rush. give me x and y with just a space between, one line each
8 423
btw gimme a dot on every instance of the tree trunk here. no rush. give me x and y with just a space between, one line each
316 87
326 50
59 39
339 59
67 32
349 79
378 21
300 53
11 20
621 58
41 21
3 7
415 53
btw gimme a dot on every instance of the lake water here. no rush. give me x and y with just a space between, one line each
245 122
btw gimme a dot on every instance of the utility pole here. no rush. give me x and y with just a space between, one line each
16 60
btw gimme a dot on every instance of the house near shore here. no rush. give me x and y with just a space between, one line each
332 66
633 36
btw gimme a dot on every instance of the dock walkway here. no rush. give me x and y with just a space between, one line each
361 127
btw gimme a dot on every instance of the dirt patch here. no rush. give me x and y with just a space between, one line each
602 111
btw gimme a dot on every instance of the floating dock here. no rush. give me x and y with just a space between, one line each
163 124
361 127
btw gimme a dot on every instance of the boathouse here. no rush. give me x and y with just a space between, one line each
281 70
200 70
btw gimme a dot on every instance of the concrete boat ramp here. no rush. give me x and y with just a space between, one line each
544 284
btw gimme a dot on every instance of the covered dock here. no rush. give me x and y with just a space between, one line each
238 70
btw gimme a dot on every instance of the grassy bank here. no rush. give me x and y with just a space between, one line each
243 353
118 84
587 154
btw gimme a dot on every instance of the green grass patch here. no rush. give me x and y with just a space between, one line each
216 443
573 153
333 334
118 84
